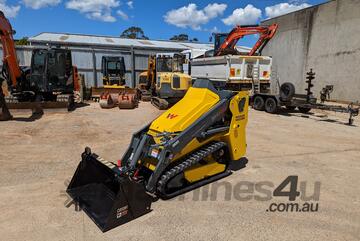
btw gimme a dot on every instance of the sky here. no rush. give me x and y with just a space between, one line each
160 19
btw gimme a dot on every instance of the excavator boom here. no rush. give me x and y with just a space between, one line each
11 68
265 34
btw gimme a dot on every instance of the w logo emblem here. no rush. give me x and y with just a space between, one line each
171 116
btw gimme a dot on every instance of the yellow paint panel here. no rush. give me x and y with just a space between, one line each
114 87
236 137
165 77
195 103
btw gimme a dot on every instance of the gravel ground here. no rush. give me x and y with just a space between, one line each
39 157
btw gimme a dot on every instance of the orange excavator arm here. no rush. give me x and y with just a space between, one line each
265 34
11 68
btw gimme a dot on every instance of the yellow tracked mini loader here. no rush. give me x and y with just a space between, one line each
193 143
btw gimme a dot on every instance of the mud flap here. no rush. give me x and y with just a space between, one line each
106 196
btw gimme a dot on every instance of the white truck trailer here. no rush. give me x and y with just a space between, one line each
236 72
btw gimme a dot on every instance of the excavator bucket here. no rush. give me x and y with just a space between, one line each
106 195
128 99
124 98
108 100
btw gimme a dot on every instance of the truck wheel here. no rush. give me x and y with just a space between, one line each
287 91
304 109
259 103
270 105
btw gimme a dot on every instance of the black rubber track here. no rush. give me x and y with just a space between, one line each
193 159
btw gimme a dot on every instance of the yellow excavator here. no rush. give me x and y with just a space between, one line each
165 82
197 141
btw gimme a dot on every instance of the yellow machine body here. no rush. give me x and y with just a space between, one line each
199 140
196 103
177 82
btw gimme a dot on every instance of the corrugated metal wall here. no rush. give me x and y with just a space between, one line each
23 54
88 61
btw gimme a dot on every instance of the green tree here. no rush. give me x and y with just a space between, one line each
133 33
22 41
180 37
183 37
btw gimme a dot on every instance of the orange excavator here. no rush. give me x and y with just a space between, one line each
225 43
50 81
147 80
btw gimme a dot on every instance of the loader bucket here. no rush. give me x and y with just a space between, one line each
106 196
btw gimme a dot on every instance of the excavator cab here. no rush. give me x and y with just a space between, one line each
219 39
51 71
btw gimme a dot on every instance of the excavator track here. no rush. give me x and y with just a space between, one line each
191 160
65 101
159 103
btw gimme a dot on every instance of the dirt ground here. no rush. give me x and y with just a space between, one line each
39 157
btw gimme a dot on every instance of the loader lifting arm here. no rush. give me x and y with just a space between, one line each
265 34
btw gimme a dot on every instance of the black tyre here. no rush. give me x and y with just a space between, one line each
291 108
304 109
259 103
287 91
270 105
